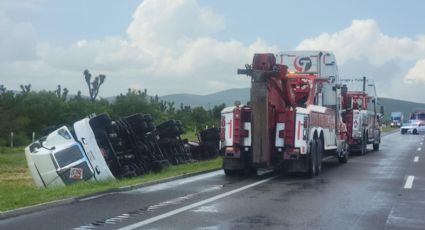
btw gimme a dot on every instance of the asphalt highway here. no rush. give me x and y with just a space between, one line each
384 189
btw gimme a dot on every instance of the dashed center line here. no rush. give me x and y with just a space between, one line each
409 182
416 159
419 149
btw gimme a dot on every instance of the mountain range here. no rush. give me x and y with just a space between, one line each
242 94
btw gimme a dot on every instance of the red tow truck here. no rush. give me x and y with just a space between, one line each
293 119
361 116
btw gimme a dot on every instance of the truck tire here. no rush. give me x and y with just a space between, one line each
363 149
415 132
344 158
311 171
376 147
319 152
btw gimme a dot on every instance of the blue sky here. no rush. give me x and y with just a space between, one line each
158 44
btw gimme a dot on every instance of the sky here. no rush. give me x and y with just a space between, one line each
195 46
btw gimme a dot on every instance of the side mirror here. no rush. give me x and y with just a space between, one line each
382 110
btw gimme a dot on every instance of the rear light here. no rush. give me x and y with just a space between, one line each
230 150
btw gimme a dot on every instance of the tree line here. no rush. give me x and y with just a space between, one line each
29 111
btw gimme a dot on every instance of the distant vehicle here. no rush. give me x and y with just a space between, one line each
396 119
418 114
413 127
362 117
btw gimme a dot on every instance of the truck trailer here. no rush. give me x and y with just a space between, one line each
293 119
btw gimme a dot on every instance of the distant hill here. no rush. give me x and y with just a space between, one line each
394 105
227 96
242 94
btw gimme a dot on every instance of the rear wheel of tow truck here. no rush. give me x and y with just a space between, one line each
344 154
376 144
343 159
319 155
312 162
376 147
364 146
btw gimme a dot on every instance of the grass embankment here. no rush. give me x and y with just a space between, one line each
388 129
17 188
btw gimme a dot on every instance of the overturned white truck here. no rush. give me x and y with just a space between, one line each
98 148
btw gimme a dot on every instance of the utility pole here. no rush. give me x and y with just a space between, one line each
11 139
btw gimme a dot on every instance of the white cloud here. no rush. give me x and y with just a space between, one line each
417 72
169 48
160 26
362 49
364 39
17 40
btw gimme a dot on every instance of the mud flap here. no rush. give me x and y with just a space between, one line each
300 165
233 163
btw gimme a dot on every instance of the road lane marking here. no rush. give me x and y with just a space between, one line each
124 216
416 159
194 205
173 184
419 149
409 182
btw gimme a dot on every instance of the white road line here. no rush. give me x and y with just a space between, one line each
419 149
174 183
409 182
194 205
416 159
421 143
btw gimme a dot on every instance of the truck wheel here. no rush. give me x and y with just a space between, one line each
312 160
415 132
376 147
364 147
319 152
344 158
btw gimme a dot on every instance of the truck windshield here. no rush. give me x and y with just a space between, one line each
68 156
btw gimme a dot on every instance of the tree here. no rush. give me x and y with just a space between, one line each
2 89
93 86
216 111
63 95
25 88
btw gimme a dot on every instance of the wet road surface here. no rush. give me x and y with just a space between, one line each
381 190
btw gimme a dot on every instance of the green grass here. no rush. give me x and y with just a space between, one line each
17 189
388 128
190 135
